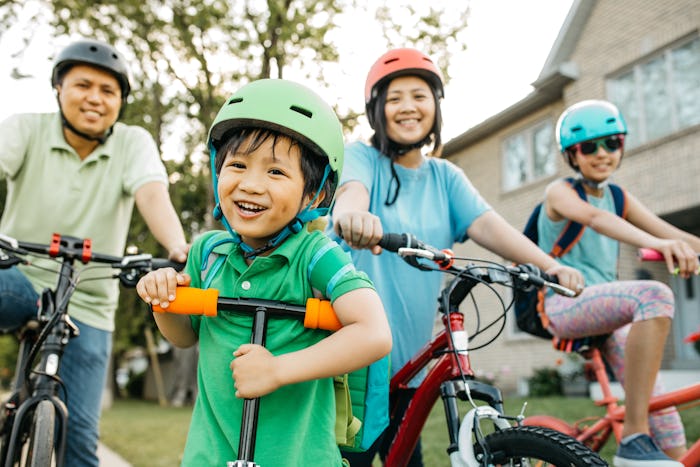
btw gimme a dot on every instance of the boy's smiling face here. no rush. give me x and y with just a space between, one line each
261 191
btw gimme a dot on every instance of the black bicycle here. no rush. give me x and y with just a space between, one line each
33 421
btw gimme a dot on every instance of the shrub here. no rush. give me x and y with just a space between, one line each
545 382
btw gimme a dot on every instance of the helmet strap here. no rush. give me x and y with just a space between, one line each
591 183
100 139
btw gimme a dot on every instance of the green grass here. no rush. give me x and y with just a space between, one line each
148 435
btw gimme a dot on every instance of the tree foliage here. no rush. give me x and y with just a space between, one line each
187 56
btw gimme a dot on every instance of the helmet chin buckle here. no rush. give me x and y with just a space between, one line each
217 213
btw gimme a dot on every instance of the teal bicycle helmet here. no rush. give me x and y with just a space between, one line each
290 109
586 120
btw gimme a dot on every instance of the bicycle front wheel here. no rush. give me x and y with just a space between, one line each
536 446
41 436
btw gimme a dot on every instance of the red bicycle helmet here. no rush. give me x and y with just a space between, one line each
400 62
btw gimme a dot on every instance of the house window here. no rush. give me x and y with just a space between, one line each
661 95
528 156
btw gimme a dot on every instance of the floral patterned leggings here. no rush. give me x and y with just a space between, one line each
611 308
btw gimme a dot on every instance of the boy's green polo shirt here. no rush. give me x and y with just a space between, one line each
296 422
50 189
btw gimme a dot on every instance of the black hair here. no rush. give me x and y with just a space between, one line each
313 165
380 139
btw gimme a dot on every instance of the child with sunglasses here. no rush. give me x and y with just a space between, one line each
636 314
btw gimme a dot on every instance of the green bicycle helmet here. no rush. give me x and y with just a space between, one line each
286 107
292 110
586 120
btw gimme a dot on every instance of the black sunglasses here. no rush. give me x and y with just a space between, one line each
610 143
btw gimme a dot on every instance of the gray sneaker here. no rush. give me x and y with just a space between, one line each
642 451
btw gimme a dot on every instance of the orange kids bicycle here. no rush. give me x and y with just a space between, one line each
594 432
485 436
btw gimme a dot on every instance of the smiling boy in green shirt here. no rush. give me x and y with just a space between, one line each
276 153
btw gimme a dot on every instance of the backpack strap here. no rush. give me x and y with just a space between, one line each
573 231
209 268
620 199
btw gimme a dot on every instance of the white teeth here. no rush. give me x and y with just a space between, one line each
410 121
250 207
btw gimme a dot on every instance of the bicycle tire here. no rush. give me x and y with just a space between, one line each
41 435
531 445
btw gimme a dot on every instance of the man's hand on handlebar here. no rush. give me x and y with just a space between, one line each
359 229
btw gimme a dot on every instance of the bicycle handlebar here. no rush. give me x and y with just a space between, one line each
408 246
317 314
77 249
649 254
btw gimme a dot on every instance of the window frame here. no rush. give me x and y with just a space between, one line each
639 135
529 133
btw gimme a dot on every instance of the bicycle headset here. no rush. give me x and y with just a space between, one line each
294 111
393 64
97 54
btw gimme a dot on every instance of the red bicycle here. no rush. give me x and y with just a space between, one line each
450 375
595 431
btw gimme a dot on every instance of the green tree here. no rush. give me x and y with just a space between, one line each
187 56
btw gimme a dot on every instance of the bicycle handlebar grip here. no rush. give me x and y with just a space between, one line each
320 315
648 254
192 301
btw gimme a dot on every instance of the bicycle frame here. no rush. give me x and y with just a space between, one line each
48 335
444 380
596 435
60 329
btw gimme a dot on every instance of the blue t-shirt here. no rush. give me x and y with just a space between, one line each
437 204
595 255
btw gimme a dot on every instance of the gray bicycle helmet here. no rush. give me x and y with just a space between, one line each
95 53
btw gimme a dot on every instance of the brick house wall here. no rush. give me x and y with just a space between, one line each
599 38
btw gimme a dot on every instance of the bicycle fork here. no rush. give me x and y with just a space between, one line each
251 407
460 450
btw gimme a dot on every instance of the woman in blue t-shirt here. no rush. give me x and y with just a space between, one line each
392 186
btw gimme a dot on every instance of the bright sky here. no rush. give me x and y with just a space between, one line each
507 44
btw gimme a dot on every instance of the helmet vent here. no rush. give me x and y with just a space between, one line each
235 101
391 60
577 128
610 120
304 112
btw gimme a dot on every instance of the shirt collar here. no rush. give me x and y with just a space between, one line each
58 141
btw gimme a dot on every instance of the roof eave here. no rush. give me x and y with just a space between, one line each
548 89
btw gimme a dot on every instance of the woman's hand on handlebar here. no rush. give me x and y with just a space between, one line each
678 253
158 287
568 277
359 229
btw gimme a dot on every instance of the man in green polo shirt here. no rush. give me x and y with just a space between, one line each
79 172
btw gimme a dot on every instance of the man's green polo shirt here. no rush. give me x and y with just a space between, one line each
50 189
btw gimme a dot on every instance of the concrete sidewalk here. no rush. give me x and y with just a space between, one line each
109 458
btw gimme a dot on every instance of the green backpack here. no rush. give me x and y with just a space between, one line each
361 397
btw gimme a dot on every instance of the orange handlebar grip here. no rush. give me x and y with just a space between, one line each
192 301
320 315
